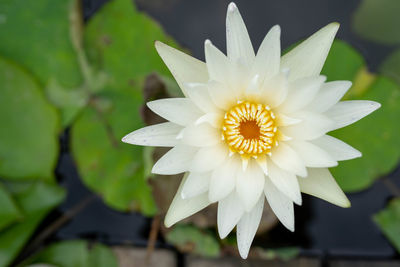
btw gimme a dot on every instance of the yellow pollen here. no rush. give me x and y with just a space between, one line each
249 129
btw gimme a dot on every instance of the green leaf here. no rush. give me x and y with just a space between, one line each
36 200
391 66
36 34
378 21
76 253
119 43
376 136
284 253
189 238
388 221
28 141
9 212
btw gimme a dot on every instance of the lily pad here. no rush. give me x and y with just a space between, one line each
388 221
28 139
378 21
391 66
9 211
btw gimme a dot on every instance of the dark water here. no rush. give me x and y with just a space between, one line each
322 229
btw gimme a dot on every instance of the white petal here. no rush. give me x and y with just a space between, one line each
312 155
286 182
214 119
286 158
209 158
274 91
268 57
183 208
230 210
247 227
308 58
347 112
181 111
283 120
222 96
223 179
163 134
196 183
175 161
201 135
262 162
338 149
301 93
321 184
184 68
280 204
198 93
312 125
218 64
239 47
253 89
249 185
329 94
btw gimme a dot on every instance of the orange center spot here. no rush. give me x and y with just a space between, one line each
249 130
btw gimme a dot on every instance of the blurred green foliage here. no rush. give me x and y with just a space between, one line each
389 220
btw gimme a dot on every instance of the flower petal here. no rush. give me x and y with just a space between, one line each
286 158
347 112
280 204
312 155
198 93
230 210
196 183
338 149
274 90
183 67
209 158
239 47
182 208
268 58
321 184
312 125
201 135
175 161
214 119
163 135
222 96
329 94
181 111
249 185
286 182
218 64
223 179
301 93
247 227
308 58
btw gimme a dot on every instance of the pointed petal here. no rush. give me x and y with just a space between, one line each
347 112
163 135
198 94
201 135
181 111
213 119
239 47
230 210
286 182
321 184
308 58
209 158
301 93
249 185
329 95
275 90
283 120
222 96
312 125
175 161
312 155
262 162
183 208
218 64
184 68
247 227
338 149
280 204
287 159
223 179
268 58
196 183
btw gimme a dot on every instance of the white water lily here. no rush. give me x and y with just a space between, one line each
252 126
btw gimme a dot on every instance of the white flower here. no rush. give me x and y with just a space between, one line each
252 126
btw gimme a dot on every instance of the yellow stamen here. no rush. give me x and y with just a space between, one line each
249 129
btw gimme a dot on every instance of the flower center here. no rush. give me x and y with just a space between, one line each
249 129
